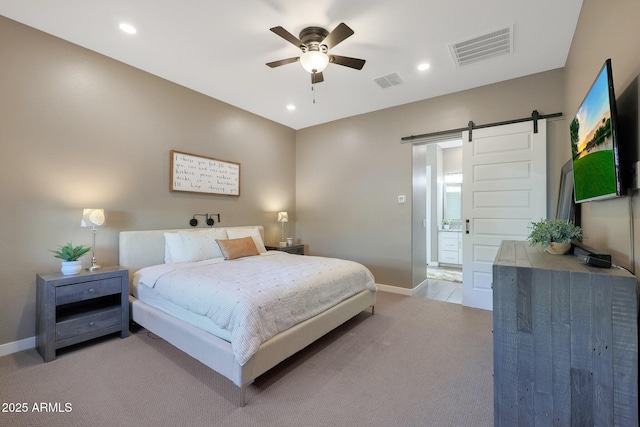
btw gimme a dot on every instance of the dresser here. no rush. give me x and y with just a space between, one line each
71 309
565 341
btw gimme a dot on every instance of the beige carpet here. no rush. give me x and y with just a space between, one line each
416 362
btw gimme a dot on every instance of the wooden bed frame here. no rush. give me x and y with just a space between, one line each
140 249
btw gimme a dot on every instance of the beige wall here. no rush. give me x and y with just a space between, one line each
605 30
350 172
78 130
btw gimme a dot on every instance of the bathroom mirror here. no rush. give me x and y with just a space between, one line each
453 200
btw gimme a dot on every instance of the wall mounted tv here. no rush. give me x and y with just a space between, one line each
595 142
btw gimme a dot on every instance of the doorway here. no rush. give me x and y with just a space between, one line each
438 203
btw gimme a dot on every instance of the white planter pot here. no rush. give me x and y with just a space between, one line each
71 267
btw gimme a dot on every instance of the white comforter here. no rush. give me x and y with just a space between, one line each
255 298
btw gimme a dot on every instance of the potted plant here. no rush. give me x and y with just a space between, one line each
555 235
446 222
70 256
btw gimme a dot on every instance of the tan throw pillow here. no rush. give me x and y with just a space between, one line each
235 233
237 248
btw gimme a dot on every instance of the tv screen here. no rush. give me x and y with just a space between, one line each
594 142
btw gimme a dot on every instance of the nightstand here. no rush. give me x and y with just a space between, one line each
294 249
75 308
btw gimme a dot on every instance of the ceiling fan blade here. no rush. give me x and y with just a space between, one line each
287 36
341 32
347 62
283 62
316 78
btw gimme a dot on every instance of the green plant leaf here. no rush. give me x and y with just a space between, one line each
69 252
553 230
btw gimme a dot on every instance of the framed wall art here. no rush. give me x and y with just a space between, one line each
200 174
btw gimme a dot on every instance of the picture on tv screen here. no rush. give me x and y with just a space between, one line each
593 142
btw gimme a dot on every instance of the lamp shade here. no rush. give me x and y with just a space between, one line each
314 61
92 218
283 217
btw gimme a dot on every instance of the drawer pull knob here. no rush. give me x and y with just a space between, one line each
91 323
91 291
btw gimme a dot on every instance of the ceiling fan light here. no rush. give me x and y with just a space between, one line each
314 61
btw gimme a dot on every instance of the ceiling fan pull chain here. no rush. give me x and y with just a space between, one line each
314 94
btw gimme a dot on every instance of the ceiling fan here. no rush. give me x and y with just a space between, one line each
315 43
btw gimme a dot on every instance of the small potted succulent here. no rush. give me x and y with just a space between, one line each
446 223
70 256
555 235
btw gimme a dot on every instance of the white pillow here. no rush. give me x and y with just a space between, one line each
200 245
236 233
173 248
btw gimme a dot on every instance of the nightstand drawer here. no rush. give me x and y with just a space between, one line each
88 290
88 322
296 249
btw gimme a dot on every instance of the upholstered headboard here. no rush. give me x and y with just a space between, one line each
139 249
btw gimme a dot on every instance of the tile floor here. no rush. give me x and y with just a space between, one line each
442 290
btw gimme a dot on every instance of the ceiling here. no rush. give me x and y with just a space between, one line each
220 48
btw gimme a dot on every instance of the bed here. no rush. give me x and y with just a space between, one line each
160 260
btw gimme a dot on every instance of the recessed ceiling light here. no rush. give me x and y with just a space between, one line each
291 107
424 66
127 28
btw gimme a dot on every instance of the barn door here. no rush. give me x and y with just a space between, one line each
504 169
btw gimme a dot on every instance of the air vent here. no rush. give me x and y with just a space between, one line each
389 80
499 42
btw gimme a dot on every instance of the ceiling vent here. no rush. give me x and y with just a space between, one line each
496 43
389 80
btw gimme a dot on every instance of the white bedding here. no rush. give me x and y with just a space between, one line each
255 298
150 297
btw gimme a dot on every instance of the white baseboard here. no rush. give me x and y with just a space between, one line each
395 289
16 346
415 290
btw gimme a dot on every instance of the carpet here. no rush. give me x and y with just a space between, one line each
416 362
